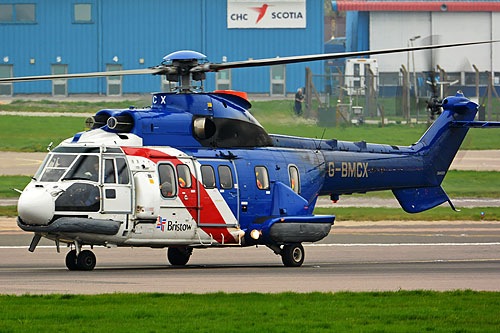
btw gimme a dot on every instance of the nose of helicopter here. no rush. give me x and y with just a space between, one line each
36 206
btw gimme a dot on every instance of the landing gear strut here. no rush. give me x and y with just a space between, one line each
83 261
179 256
292 255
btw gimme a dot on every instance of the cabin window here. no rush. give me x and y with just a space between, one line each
167 180
109 171
225 177
121 165
294 178
208 176
262 178
184 176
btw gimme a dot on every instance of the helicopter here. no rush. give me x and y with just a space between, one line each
197 170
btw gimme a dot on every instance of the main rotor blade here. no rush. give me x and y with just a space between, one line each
324 56
152 70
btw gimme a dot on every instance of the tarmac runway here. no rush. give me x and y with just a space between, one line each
356 256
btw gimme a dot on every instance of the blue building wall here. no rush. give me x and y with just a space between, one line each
150 29
357 31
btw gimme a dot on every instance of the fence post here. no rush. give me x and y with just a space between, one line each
490 97
477 82
308 92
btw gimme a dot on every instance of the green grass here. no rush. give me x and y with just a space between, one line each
395 214
379 214
9 211
457 183
278 118
9 182
402 311
460 184
19 133
58 106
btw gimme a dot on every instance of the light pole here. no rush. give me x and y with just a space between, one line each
415 87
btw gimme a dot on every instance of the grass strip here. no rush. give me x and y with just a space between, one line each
9 211
398 214
278 117
402 311
462 184
379 214
459 184
66 106
20 133
7 183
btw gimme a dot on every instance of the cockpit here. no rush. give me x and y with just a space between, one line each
79 180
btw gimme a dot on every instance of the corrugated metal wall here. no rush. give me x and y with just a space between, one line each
53 35
131 29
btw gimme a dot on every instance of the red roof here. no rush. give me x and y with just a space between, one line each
418 6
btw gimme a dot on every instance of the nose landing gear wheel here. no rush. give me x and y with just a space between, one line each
292 255
71 260
179 256
86 260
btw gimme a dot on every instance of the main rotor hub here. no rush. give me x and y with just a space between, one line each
184 61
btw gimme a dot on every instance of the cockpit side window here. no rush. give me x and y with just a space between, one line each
123 176
168 186
109 171
85 168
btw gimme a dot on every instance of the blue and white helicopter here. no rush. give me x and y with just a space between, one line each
197 170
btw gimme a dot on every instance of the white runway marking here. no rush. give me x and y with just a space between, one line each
327 245
404 244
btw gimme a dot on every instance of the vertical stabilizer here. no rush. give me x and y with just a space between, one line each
441 141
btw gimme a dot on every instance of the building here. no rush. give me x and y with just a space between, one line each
40 37
388 24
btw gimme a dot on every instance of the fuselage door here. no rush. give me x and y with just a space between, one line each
116 185
188 186
220 194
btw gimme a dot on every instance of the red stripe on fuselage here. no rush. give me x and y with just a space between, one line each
208 211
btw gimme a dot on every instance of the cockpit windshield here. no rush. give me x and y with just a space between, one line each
56 166
71 167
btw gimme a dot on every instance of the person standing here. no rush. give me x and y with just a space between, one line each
299 99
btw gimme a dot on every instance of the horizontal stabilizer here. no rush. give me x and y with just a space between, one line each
416 200
475 124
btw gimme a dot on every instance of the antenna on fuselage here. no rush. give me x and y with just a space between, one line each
322 136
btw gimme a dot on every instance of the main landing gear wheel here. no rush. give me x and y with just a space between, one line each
179 256
292 255
84 262
71 260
